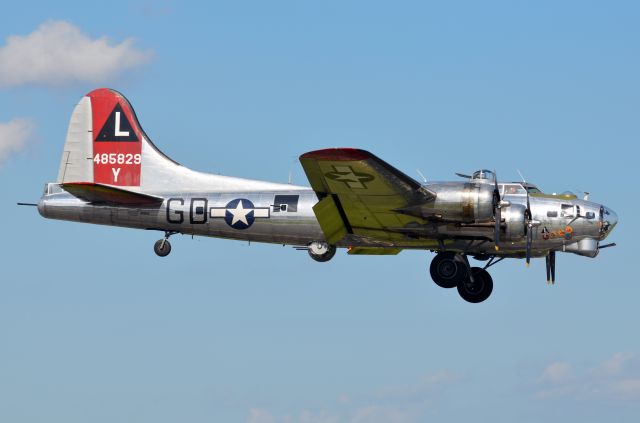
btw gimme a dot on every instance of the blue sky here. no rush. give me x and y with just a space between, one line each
95 327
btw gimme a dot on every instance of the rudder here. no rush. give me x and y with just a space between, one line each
104 142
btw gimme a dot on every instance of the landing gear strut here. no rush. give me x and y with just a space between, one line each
162 247
449 269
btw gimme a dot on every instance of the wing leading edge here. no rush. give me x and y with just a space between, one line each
361 195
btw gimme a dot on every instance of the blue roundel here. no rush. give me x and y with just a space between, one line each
239 213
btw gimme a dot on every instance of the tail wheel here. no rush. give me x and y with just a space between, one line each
446 271
162 247
478 290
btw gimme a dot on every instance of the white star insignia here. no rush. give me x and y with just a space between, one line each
239 214
348 177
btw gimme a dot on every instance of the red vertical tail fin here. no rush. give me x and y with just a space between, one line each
104 142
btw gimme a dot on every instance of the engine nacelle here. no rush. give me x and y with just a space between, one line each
464 202
514 219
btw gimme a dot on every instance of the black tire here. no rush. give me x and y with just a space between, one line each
478 291
160 249
446 271
326 256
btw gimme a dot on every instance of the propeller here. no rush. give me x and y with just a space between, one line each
498 205
530 225
497 211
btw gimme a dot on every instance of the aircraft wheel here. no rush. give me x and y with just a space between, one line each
321 251
162 247
480 289
446 271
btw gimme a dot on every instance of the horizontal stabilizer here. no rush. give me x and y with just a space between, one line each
99 193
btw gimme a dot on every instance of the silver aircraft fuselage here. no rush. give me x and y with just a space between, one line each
287 217
259 218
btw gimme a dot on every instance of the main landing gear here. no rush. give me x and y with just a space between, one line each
162 247
450 270
447 269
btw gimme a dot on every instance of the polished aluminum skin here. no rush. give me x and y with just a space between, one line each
176 214
129 182
590 222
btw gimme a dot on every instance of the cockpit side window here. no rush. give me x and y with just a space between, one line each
513 189
567 210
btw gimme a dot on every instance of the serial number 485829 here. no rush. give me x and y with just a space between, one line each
117 158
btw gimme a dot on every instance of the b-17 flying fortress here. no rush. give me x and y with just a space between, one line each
112 174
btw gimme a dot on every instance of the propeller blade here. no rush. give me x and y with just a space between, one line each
462 175
529 228
552 255
548 262
496 229
529 241
497 211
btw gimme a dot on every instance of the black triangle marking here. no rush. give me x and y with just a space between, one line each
117 128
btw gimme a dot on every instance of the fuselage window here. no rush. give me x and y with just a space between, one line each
285 203
552 214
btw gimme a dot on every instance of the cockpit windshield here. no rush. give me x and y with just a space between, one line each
519 189
533 189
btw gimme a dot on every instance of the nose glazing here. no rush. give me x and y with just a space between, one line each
609 220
